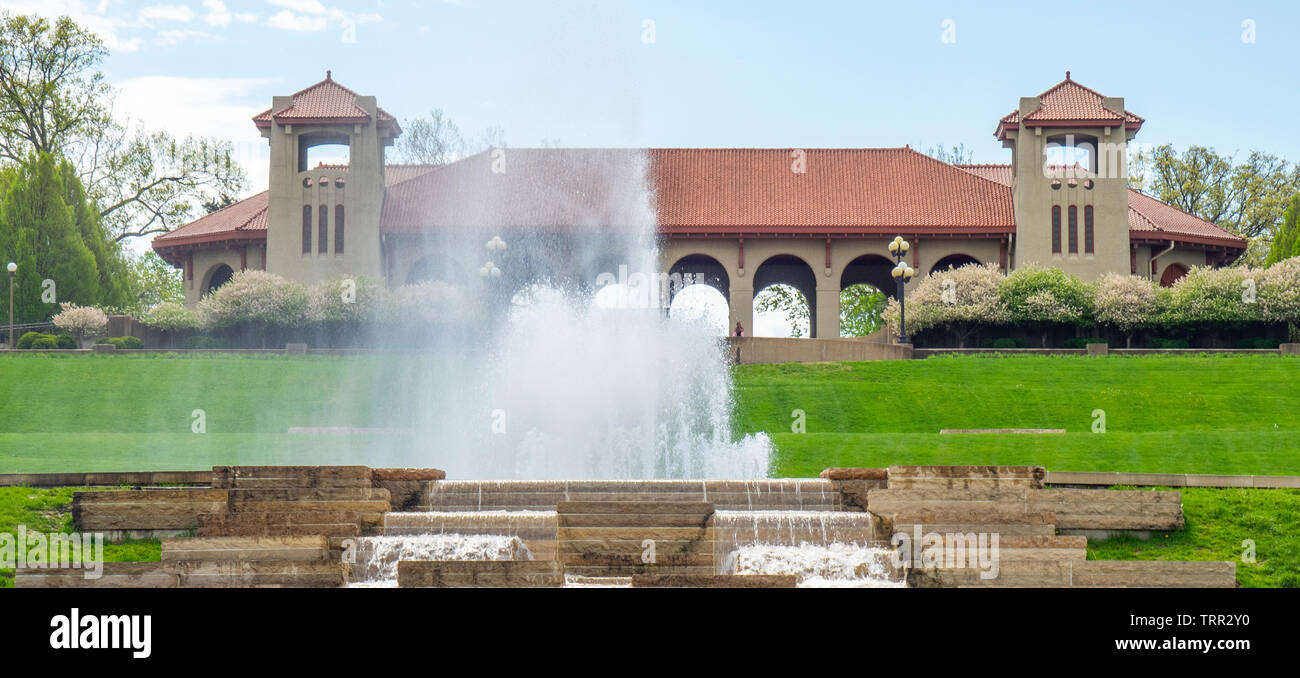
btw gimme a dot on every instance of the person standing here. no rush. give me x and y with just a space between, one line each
740 330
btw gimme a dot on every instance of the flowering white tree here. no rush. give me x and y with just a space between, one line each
257 299
1125 302
1042 297
1210 297
1279 294
427 302
171 315
346 300
957 300
80 321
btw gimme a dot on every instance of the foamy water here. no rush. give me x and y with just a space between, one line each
837 564
377 557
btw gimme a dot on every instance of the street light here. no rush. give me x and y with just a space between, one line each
12 268
902 273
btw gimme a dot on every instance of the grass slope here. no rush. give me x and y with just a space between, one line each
1187 414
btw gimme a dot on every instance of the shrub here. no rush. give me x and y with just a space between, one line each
1279 292
427 302
1169 343
45 341
1215 298
80 321
1082 342
1039 297
65 341
346 300
204 341
956 300
255 299
26 340
1005 342
170 316
125 342
1125 302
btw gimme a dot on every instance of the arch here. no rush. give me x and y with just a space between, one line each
1173 273
216 277
861 309
870 269
702 302
954 261
703 270
436 267
318 149
791 270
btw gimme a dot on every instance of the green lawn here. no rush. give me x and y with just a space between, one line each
49 511
1187 414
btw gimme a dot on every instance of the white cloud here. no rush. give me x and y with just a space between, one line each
308 6
180 13
288 21
172 38
110 29
222 108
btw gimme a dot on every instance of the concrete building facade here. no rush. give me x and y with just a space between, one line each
739 219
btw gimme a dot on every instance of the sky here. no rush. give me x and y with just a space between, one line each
707 74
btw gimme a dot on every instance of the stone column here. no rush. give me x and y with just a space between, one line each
740 303
828 311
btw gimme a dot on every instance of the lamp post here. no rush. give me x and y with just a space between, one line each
902 273
12 268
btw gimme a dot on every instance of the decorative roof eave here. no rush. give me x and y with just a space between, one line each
785 231
1004 127
1161 237
265 122
188 242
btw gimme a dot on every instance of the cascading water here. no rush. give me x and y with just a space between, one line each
831 565
377 557
575 375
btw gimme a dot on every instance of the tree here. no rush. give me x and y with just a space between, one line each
51 91
1208 298
787 300
1286 243
1245 198
154 282
861 308
953 155
53 99
80 321
40 233
1041 297
1125 302
436 140
957 300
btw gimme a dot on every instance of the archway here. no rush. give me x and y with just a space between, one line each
218 277
870 269
861 309
1173 273
954 261
704 304
698 269
434 267
795 274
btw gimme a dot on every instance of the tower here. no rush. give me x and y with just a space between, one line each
323 222
1070 179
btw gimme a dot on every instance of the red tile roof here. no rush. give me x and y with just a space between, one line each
1148 217
246 219
324 101
701 191
1069 102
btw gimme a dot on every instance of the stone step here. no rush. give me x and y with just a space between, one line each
241 574
592 559
634 508
246 548
965 477
1073 509
1005 530
716 581
362 506
621 571
144 509
113 576
597 520
1088 573
481 573
221 526
240 495
582 548
299 483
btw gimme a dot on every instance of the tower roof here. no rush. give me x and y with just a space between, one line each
1069 104
324 102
